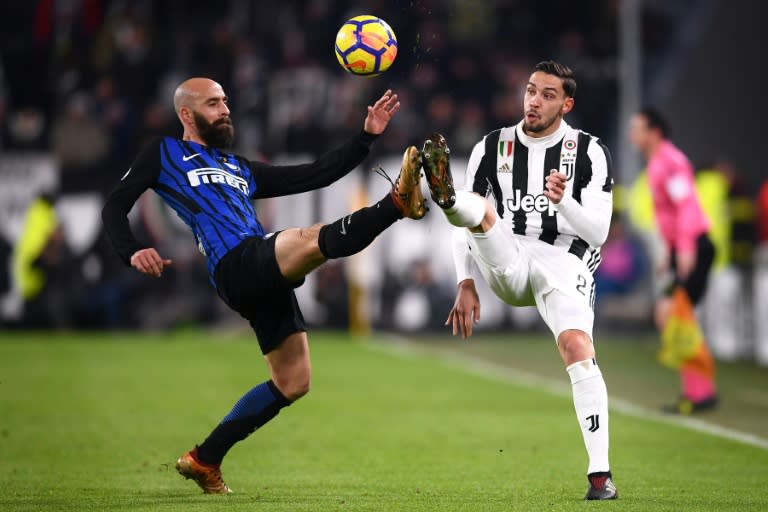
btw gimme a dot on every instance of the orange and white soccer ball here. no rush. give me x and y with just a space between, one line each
366 45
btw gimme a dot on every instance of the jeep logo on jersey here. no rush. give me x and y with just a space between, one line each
212 175
530 203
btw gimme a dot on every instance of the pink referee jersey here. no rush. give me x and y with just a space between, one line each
678 212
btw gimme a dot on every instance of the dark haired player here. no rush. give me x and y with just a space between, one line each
689 251
254 272
535 210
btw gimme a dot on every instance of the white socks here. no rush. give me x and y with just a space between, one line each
590 399
467 211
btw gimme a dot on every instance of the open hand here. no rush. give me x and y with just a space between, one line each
380 113
466 310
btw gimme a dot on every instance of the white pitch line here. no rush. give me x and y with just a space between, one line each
401 347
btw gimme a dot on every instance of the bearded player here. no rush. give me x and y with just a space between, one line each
254 272
535 210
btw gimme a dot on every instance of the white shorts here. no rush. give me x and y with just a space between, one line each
524 271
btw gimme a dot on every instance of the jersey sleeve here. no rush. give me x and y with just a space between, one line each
283 180
141 176
591 218
462 259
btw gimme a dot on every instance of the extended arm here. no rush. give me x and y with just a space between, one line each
276 180
273 181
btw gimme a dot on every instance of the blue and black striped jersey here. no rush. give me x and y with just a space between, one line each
212 190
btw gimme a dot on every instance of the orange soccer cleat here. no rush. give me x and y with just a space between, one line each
207 476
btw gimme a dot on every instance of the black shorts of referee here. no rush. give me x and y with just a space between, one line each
695 284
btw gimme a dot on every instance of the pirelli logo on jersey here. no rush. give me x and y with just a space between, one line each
212 175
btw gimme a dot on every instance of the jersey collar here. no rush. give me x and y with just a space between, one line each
215 153
548 141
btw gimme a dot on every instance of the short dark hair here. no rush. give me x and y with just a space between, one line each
561 71
655 120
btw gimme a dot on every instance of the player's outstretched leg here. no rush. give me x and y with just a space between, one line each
301 250
462 209
353 233
435 157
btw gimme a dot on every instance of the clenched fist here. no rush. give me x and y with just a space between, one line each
149 262
554 187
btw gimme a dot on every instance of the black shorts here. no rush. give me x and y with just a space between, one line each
696 283
249 281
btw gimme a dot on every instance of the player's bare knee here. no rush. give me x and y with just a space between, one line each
293 390
309 236
300 388
293 382
575 345
296 387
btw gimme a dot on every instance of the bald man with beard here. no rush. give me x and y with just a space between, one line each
254 272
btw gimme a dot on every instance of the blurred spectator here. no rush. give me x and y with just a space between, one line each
331 291
416 299
26 129
762 215
439 297
742 212
78 140
712 191
42 268
471 127
623 264
113 113
442 111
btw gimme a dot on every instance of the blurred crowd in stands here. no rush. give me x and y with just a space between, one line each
87 82
92 79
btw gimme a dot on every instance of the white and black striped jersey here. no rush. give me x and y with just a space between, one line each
510 168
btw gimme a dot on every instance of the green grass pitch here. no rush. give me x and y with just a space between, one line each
95 422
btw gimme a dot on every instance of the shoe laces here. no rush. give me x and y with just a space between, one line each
215 479
381 172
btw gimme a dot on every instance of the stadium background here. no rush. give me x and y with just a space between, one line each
84 83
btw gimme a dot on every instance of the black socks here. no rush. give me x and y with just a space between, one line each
254 409
353 233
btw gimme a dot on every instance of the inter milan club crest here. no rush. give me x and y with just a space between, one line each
568 158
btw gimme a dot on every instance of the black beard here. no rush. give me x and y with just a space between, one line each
218 134
540 128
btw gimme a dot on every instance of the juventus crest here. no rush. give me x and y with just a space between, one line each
568 158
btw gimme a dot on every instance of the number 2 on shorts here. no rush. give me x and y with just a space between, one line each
582 285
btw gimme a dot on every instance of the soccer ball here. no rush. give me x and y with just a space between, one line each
366 45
